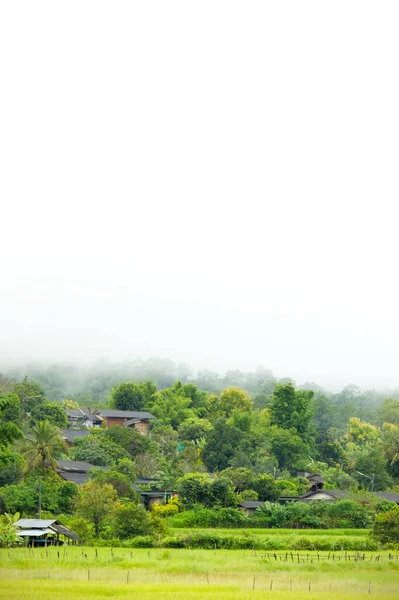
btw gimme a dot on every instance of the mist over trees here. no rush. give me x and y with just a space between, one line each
216 439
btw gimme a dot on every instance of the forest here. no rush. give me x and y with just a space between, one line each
216 441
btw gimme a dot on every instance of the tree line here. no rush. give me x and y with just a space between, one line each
216 448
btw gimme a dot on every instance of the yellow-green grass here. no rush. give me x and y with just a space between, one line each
275 532
74 572
285 539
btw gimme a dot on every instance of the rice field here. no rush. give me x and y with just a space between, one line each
76 572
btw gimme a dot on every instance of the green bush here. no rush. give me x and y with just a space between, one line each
172 542
209 517
140 541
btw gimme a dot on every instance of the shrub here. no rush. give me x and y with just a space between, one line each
172 542
386 526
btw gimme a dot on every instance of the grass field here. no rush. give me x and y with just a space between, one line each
278 532
81 573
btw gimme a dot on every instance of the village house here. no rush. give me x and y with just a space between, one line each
138 420
249 507
317 491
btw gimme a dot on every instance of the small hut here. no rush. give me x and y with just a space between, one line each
45 532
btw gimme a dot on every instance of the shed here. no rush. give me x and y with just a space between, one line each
249 506
44 532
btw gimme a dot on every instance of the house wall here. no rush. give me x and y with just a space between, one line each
114 421
142 427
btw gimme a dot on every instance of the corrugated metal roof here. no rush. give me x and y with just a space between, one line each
126 414
78 478
35 523
77 466
34 532
392 496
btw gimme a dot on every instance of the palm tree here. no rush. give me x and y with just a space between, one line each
391 442
43 444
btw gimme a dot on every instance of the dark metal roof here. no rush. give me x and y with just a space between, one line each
156 494
74 414
78 478
315 478
65 531
79 466
250 504
392 496
72 434
126 414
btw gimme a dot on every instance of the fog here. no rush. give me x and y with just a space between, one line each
215 183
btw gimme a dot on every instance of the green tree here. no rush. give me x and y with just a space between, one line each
132 520
126 467
96 502
235 399
386 526
388 412
391 443
132 395
266 488
57 495
9 431
11 467
120 482
289 449
98 449
193 429
171 408
221 444
130 440
51 412
30 393
292 409
43 446
8 532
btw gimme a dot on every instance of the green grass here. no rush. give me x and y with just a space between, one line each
286 539
278 532
81 573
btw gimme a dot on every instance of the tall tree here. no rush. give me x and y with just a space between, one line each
96 502
9 431
234 398
132 395
292 409
43 446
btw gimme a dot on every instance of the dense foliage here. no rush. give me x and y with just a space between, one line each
216 441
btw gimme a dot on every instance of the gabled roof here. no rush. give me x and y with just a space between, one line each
35 523
335 495
74 414
37 527
126 414
250 504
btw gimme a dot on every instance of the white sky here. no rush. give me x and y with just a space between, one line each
215 182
